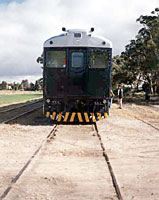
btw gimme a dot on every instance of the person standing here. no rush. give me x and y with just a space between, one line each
120 96
147 94
111 98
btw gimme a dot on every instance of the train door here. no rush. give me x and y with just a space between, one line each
77 60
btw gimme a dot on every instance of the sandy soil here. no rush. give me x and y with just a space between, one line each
71 165
133 149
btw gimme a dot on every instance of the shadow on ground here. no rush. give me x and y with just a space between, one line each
139 99
38 119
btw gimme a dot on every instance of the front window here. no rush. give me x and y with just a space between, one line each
55 59
99 59
77 59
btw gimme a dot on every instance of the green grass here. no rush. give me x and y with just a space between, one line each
10 99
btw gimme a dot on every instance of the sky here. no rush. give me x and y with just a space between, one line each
26 24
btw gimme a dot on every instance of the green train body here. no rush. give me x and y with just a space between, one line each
77 77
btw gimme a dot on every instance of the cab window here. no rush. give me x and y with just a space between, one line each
77 59
55 59
99 59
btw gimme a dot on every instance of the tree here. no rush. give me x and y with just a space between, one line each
32 86
149 36
25 84
140 60
4 85
40 59
39 84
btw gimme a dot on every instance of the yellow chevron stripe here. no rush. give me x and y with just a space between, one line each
72 117
47 114
66 116
80 117
105 115
53 115
93 117
99 116
59 117
86 117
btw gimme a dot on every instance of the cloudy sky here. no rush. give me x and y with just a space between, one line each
26 24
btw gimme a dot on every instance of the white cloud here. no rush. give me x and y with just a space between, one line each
25 26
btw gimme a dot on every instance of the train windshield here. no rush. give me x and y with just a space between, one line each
77 59
99 58
55 59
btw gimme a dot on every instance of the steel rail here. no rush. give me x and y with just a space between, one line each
147 123
144 121
20 115
15 179
27 104
115 184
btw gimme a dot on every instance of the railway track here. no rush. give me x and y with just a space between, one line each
52 135
145 121
9 115
21 106
105 155
16 178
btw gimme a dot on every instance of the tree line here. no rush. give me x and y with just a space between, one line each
139 63
24 85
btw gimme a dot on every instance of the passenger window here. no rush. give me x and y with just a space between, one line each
55 59
99 59
77 59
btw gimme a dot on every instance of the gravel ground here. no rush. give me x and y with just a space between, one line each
71 166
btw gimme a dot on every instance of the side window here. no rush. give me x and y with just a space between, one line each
55 59
99 59
77 59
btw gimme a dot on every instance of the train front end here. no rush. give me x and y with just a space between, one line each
77 71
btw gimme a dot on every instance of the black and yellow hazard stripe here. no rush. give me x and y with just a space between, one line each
53 117
78 117
86 116
66 116
47 114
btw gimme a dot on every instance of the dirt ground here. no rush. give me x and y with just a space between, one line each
71 165
133 149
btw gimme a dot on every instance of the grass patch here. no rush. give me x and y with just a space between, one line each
15 98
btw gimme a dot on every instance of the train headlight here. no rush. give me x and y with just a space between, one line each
104 101
47 100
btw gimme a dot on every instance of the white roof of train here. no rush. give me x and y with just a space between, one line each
77 38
